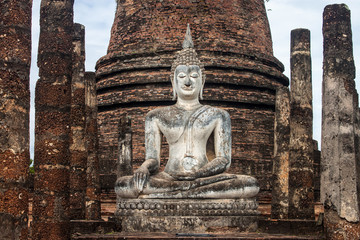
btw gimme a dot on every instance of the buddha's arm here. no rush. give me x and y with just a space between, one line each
152 148
152 145
222 142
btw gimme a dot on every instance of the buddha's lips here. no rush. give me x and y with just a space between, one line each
187 88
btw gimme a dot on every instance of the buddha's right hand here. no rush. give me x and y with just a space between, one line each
140 178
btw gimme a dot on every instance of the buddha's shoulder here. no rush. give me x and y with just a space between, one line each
218 112
161 112
171 112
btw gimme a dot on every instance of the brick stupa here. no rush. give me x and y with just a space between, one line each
232 39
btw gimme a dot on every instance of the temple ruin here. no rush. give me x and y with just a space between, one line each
90 125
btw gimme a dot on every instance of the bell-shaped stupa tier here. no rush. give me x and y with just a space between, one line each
232 39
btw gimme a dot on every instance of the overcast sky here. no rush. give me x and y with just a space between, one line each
284 16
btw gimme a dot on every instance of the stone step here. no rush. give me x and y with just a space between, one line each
163 236
79 227
291 226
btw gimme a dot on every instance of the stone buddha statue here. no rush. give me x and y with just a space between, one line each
188 127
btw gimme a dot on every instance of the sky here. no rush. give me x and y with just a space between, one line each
284 16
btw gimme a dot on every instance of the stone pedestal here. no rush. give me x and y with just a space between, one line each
187 215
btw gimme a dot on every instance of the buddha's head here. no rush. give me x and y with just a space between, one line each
187 76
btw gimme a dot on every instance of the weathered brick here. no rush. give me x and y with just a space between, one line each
15 58
301 165
93 191
340 172
280 188
78 155
52 123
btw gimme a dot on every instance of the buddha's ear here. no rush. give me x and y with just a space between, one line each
201 92
173 82
202 88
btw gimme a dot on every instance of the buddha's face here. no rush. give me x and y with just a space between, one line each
188 81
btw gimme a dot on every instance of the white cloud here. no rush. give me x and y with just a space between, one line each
97 17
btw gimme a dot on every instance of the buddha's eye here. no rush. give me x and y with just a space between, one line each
181 75
194 75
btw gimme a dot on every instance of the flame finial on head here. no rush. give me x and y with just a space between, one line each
188 42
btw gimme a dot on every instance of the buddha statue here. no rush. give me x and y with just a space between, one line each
188 127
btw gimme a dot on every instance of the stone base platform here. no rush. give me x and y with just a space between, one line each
187 215
169 236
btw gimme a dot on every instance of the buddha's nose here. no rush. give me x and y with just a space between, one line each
188 83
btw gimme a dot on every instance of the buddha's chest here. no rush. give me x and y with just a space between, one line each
186 127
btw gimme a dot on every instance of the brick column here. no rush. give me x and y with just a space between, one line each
15 58
93 191
339 146
52 123
301 172
280 190
78 160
